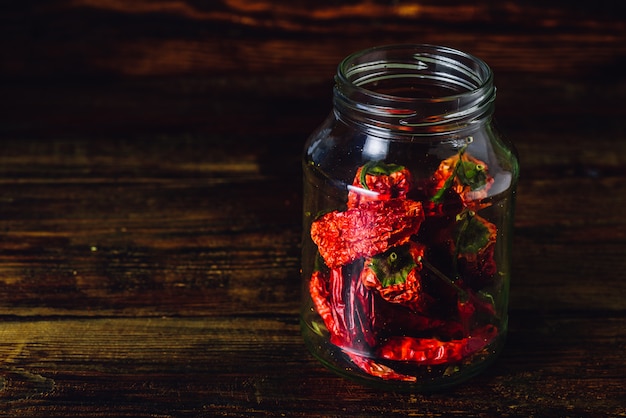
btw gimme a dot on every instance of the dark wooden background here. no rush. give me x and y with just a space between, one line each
150 196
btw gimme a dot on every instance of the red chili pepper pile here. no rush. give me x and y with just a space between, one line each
401 268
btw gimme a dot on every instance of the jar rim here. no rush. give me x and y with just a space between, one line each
423 54
444 90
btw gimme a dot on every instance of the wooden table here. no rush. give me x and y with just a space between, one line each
150 193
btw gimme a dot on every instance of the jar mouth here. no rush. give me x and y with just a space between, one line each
400 87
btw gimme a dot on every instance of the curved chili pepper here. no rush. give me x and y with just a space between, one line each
431 351
376 369
360 314
320 297
346 307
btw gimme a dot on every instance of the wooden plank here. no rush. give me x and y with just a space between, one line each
226 366
180 37
121 228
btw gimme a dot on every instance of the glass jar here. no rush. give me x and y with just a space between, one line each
408 211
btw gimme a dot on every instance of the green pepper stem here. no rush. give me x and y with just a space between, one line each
448 183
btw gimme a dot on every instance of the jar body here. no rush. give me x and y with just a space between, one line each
407 232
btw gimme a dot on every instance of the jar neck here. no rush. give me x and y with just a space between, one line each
414 90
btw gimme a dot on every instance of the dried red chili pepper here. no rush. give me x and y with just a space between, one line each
369 229
467 176
432 351
378 181
320 295
376 369
395 275
346 307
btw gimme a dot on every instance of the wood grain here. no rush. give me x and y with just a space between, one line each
150 204
191 366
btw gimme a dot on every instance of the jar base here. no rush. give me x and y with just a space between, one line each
415 378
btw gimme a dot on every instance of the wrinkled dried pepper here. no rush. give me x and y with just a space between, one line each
431 351
396 276
375 181
464 174
366 230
